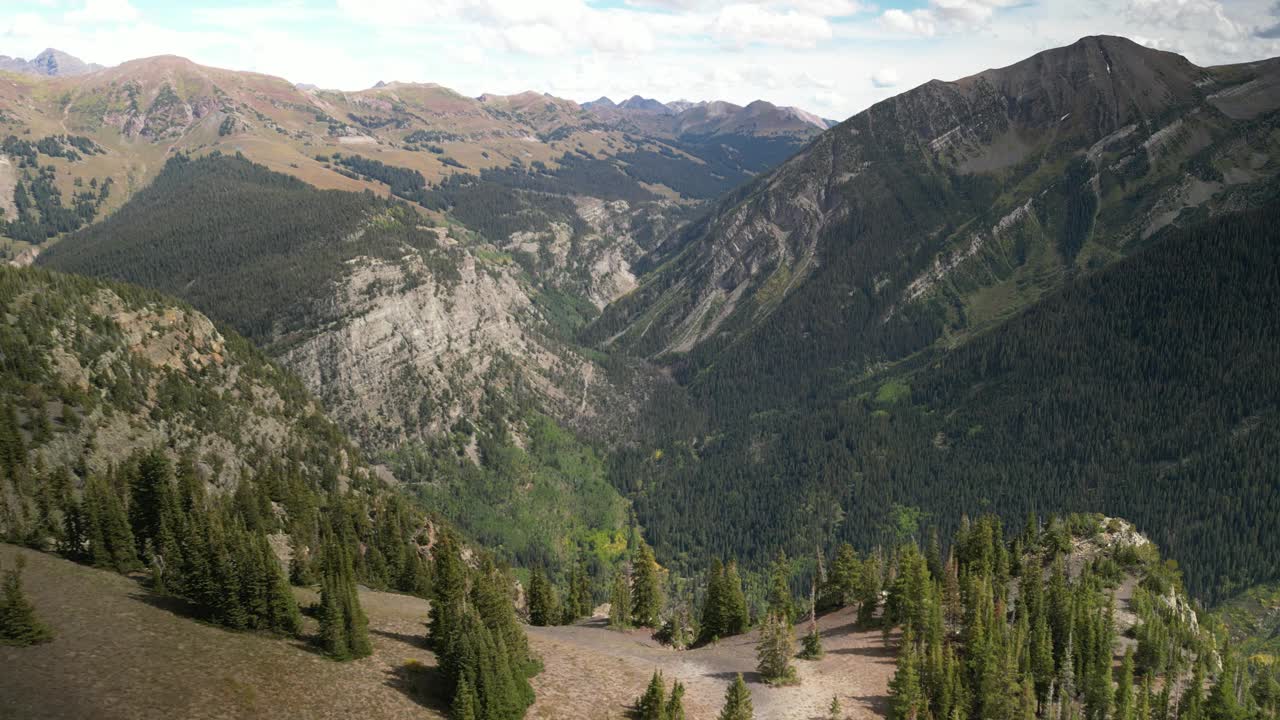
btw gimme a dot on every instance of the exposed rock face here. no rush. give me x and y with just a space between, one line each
406 354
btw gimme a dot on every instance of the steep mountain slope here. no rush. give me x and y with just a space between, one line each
1253 620
418 339
1146 389
942 211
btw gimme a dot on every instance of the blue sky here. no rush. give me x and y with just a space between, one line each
833 57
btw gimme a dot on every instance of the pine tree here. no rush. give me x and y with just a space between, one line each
712 624
906 694
1124 704
151 491
578 601
344 629
541 599
779 600
448 598
111 542
846 575
734 611
300 570
18 623
464 700
869 597
811 645
620 602
1191 706
774 651
833 710
811 648
1223 701
737 702
646 589
675 704
652 704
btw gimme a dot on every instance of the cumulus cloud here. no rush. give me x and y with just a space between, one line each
916 22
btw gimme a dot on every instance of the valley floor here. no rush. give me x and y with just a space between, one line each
119 652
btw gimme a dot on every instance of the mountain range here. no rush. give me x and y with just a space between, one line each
716 305
515 354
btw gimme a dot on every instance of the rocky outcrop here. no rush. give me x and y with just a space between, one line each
406 353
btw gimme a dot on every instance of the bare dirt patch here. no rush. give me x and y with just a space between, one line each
595 673
120 652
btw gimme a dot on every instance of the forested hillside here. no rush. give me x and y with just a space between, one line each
134 435
434 349
1147 390
135 432
1034 628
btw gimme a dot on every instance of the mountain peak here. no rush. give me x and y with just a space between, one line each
635 102
51 62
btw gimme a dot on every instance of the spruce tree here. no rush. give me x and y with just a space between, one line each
652 704
906 695
1223 701
869 597
1124 703
734 611
464 700
845 577
780 601
151 495
541 599
646 590
448 601
1191 707
774 651
18 623
344 629
110 539
675 703
577 602
737 701
712 625
620 602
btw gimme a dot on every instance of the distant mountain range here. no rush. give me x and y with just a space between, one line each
51 62
685 117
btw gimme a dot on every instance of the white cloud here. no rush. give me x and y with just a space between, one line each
103 11
885 77
536 39
744 24
916 22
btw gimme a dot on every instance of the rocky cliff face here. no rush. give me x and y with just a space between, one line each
405 355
